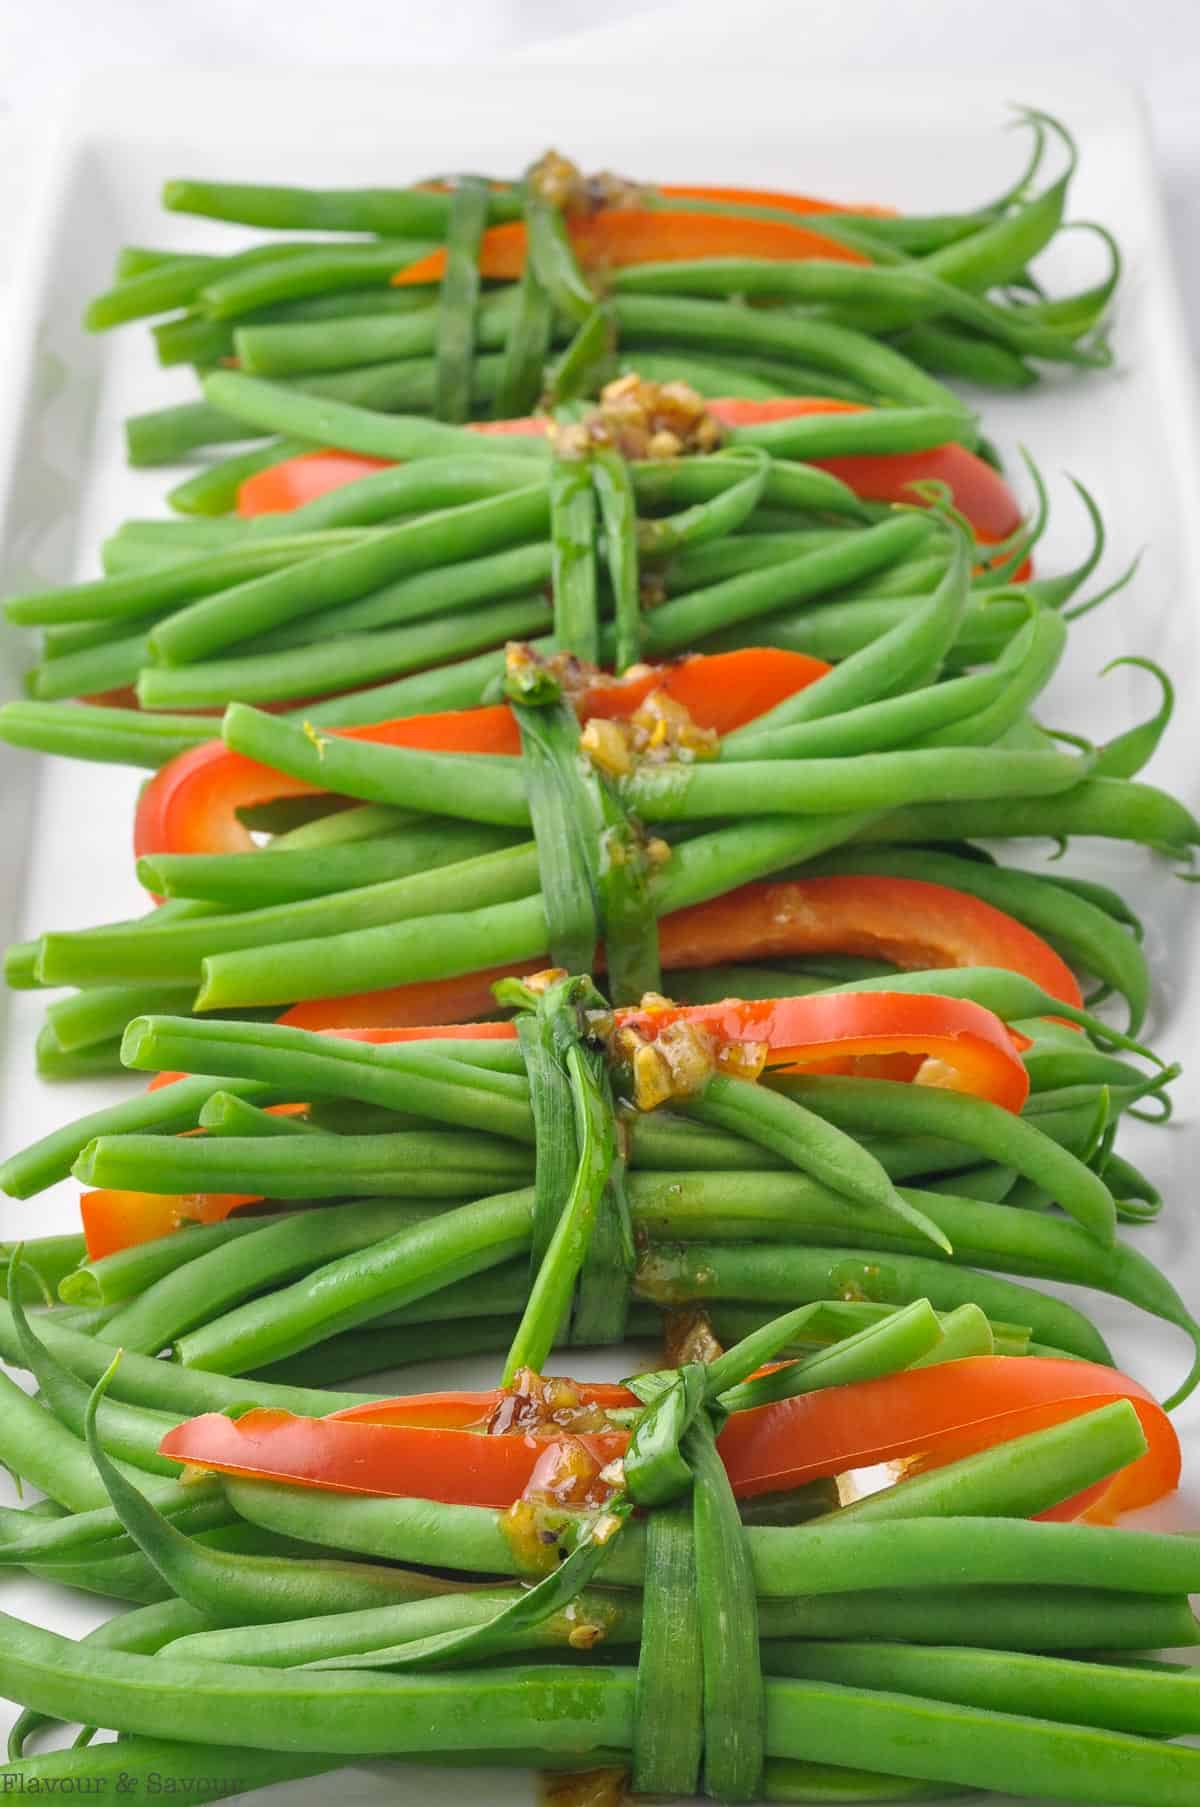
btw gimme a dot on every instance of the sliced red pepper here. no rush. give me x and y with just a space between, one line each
971 1048
425 1448
119 1220
956 1043
294 481
615 237
910 922
191 803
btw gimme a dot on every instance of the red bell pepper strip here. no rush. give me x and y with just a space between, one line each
913 923
616 237
191 803
908 921
433 1446
119 1220
973 1050
979 493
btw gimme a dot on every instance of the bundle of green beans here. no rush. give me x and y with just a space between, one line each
744 1195
414 569
294 1629
942 293
433 874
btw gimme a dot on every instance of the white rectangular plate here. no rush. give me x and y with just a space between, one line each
1130 435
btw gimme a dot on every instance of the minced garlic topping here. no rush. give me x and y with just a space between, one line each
659 731
642 420
562 184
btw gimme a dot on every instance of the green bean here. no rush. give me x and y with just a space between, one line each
441 481
407 1075
707 376
372 958
214 490
671 1274
317 271
347 1292
101 1012
164 1385
341 662
169 435
793 487
880 1612
706 522
125 1274
194 338
43 1451
144 1631
704 867
1073 923
419 212
271 408
210 1282
89 731
1116 808
162 1112
345 341
841 350
870 300
284 875
54 1062
130 1432
174 280
848 1170
678 623
1164 1701
493 577
233 1588
216 621
89 672
873 1105
176 950
45 1263
915 643
379 1166
769 1206
483 787
119 598
819 786
950 351
169 284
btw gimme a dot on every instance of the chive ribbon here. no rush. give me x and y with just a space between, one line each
592 860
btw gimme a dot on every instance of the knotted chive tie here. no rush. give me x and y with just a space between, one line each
582 1230
591 859
700 1692
582 1253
